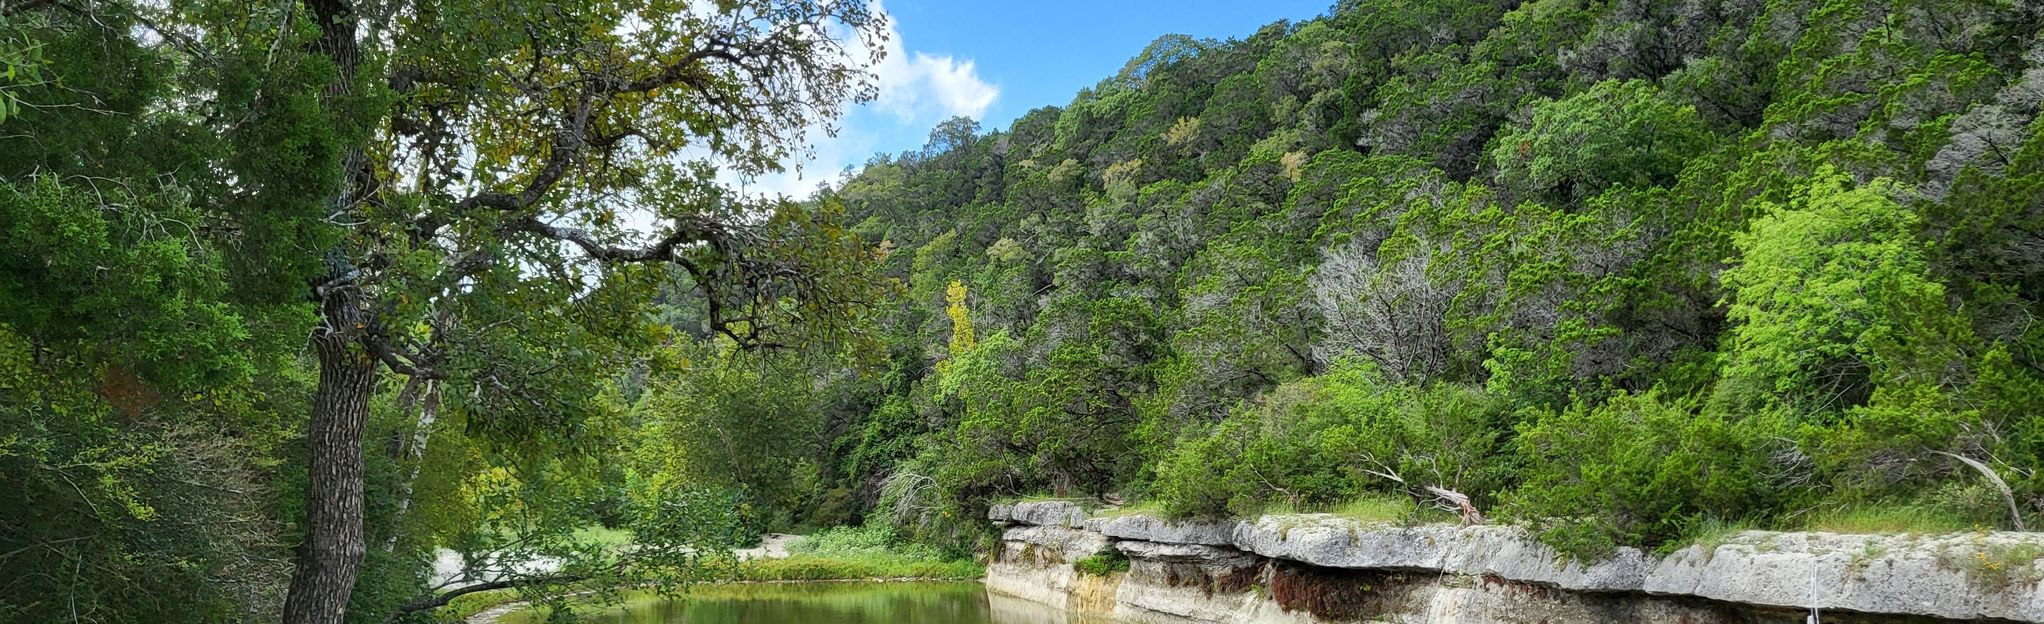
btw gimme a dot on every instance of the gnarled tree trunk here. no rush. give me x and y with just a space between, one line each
333 547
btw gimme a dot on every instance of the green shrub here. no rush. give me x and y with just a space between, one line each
1103 563
1637 470
863 541
1259 455
1324 441
845 541
1444 435
1614 133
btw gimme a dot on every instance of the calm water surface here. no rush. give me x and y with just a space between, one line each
831 603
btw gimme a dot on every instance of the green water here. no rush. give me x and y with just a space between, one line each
829 603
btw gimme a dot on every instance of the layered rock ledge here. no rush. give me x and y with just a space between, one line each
1324 568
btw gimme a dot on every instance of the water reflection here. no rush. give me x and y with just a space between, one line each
1010 610
830 603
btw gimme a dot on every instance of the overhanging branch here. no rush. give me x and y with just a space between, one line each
404 363
686 232
441 599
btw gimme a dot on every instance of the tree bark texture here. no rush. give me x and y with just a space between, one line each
333 547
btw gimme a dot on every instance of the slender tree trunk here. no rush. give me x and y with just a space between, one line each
414 455
333 548
407 402
332 553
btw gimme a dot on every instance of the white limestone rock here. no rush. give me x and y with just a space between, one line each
1153 529
1963 576
1049 513
1968 576
1331 541
1509 552
1186 553
1069 544
1506 552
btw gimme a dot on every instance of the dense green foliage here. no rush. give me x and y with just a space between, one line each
1628 271
138 381
297 297
1624 270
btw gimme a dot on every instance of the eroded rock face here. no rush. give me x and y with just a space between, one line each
1035 563
1324 568
1186 553
1502 551
1153 529
1968 576
1508 552
1067 544
1188 583
1017 570
1044 513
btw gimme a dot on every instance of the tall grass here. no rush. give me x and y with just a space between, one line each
858 553
1369 509
808 568
1876 519
603 536
1145 508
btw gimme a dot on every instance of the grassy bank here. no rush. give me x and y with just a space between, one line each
837 554
857 553
462 608
806 568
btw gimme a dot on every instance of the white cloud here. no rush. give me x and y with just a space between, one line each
916 91
918 85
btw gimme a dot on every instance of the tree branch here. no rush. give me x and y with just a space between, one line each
441 599
2000 486
404 363
572 133
688 231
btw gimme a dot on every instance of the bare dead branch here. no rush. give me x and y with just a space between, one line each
2007 495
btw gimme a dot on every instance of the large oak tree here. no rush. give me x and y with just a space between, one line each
467 174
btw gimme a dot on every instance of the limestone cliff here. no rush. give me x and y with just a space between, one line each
1320 568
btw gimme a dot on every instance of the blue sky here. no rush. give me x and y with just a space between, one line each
994 61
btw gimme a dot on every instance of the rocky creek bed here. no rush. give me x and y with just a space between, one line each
1312 568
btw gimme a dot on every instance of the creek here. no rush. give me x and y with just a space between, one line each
827 603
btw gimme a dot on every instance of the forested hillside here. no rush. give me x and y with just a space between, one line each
1625 269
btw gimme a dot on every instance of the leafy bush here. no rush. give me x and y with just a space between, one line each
1103 563
1260 454
1834 301
859 541
1615 133
1638 469
1326 440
